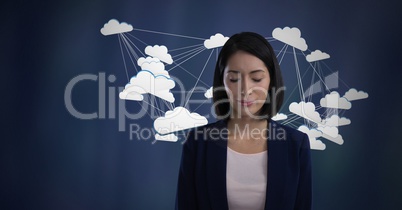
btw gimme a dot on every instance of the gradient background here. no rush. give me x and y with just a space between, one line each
51 160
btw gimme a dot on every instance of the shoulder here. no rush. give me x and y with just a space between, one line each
291 135
206 132
210 127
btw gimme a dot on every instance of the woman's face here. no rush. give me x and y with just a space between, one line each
246 80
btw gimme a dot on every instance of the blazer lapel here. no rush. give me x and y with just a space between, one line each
277 162
216 169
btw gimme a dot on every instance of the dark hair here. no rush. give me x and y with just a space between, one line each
258 46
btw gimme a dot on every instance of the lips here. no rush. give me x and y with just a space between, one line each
246 102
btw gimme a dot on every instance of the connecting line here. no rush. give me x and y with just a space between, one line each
319 107
124 60
132 51
134 45
169 105
283 53
292 120
291 116
304 74
129 55
161 102
200 105
187 52
190 54
198 78
187 59
191 74
130 48
153 107
319 69
156 104
318 74
310 94
137 39
182 48
288 52
292 125
341 112
280 51
336 76
144 108
301 91
169 34
270 39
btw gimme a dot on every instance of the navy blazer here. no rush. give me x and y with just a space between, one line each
202 175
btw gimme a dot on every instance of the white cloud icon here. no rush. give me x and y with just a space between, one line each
331 133
335 120
352 94
133 96
168 137
305 110
114 27
146 82
279 116
317 55
178 119
160 52
153 65
338 139
333 100
290 36
141 60
208 93
329 130
217 40
313 134
157 68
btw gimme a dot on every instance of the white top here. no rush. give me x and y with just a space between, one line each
246 180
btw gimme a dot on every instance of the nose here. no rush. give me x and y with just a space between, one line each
245 87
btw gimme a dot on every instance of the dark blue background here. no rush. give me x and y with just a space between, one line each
51 160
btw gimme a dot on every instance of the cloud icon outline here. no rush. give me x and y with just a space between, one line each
333 100
158 85
317 55
290 36
305 110
313 134
352 94
178 119
113 26
217 40
279 116
160 52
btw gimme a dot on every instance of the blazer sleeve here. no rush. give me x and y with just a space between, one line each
304 192
186 198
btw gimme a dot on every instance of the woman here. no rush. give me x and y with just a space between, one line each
245 160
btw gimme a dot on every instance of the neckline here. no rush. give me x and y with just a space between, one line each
247 154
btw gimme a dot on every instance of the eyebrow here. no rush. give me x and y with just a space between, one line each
254 71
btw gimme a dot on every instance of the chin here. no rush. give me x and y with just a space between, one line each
246 113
